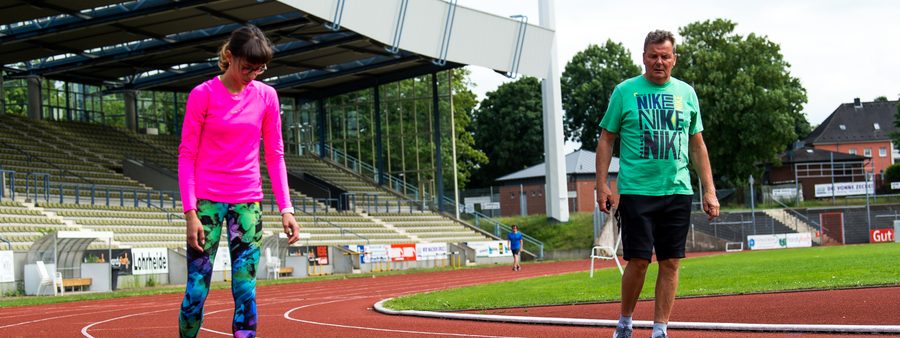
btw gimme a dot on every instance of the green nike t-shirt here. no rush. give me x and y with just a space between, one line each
654 123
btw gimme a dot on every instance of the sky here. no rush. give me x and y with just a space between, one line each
839 49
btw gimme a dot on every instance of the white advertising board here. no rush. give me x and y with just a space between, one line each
844 189
376 253
431 251
223 260
7 267
150 261
490 249
779 241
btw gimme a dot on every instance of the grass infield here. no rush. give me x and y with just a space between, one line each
736 273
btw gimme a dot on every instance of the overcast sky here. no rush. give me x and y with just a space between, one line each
839 49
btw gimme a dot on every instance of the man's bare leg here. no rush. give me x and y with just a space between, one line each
666 286
632 284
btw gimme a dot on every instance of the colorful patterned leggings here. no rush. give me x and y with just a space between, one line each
244 222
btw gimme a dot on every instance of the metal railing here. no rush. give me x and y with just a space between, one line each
371 203
72 192
501 230
424 200
366 170
32 158
317 220
799 216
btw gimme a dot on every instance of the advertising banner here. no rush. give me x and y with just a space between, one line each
360 249
431 251
779 241
222 262
402 252
376 253
844 189
7 267
120 258
490 249
881 235
150 261
316 255
784 193
320 255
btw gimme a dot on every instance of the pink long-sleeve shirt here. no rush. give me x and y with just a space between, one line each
218 159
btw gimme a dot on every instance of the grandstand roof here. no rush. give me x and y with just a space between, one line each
171 45
866 122
806 155
577 162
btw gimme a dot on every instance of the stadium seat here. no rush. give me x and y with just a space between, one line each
607 245
56 281
273 264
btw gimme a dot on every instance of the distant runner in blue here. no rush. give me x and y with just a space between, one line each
514 241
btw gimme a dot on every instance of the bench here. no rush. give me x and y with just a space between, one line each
76 282
285 271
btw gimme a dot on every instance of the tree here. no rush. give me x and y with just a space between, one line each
892 174
587 83
881 98
508 129
468 158
749 101
895 136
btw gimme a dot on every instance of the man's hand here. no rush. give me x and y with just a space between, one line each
711 204
605 198
291 229
196 238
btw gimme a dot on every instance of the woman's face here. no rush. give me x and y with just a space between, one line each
242 71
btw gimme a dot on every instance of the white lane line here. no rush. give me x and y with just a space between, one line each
287 315
84 330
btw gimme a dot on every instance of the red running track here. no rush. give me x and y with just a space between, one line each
343 308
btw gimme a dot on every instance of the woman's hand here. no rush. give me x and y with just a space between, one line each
291 229
196 238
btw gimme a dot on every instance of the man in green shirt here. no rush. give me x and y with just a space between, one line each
657 118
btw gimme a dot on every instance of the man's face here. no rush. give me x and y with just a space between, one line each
659 58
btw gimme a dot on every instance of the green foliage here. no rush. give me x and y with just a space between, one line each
750 103
895 136
16 97
508 129
892 174
745 272
577 233
151 281
587 83
881 98
468 157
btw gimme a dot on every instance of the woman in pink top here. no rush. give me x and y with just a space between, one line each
219 176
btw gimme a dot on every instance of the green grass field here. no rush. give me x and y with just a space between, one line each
736 273
577 233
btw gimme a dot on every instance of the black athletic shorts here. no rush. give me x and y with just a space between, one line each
515 251
654 222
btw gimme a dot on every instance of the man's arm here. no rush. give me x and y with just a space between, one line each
604 156
700 159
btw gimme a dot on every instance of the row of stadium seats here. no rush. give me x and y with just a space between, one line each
95 153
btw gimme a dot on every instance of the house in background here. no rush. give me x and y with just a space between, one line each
811 170
522 192
860 128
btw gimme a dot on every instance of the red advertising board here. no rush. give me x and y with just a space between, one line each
402 252
881 235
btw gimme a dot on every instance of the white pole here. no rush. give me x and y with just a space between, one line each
453 144
556 190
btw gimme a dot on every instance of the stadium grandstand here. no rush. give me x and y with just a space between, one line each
92 95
